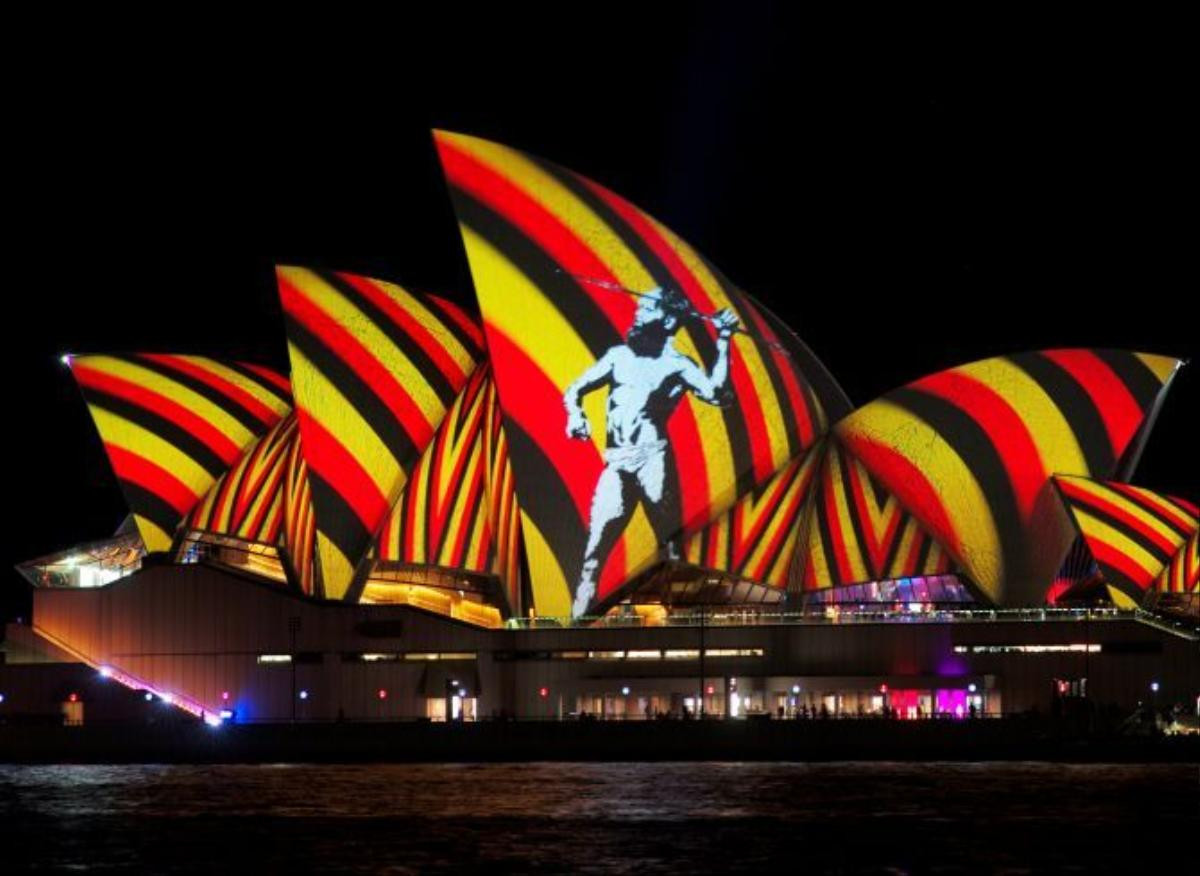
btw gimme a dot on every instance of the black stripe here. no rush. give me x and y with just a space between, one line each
232 490
338 521
923 556
361 397
1142 383
406 343
252 423
833 399
554 514
735 424
753 546
151 506
155 423
250 374
827 544
985 462
1144 541
782 400
889 562
562 291
855 522
468 343
1077 406
1149 507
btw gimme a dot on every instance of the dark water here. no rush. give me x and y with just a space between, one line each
600 818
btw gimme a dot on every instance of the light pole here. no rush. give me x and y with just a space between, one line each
293 628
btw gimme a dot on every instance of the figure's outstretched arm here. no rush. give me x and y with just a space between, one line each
595 376
712 387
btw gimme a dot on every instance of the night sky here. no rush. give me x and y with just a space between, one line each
906 205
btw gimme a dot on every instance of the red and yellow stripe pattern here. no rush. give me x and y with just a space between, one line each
441 517
247 501
171 425
374 369
1134 534
968 450
756 539
1183 574
504 514
299 520
858 531
546 249
458 509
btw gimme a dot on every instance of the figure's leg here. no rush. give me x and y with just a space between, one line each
662 502
606 520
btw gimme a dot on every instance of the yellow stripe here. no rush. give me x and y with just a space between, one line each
1100 492
1120 599
551 595
197 404
343 422
1095 528
898 568
154 537
336 570
887 424
361 327
1162 366
844 510
1057 447
251 387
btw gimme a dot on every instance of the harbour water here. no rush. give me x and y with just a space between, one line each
600 818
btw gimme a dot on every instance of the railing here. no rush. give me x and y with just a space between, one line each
832 616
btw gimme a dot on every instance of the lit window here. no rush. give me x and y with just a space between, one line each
274 658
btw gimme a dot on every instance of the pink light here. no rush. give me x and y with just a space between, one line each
382 694
224 696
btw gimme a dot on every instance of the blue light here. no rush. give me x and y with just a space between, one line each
1154 686
106 672
1 698
226 714
148 696
303 694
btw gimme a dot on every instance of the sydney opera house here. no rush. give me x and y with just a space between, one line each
623 488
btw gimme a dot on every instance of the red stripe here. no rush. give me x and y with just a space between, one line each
269 489
151 477
914 553
1107 555
459 317
1090 500
781 534
358 358
909 485
845 575
1004 427
1116 404
1154 504
342 472
859 497
745 391
189 421
231 391
272 377
791 375
411 326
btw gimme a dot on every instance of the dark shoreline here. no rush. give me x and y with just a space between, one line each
518 741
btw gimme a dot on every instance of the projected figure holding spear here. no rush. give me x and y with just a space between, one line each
646 377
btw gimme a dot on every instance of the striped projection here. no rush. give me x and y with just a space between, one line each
171 425
1133 534
756 539
969 451
628 425
441 517
299 521
373 370
458 509
1183 574
858 532
247 501
504 515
